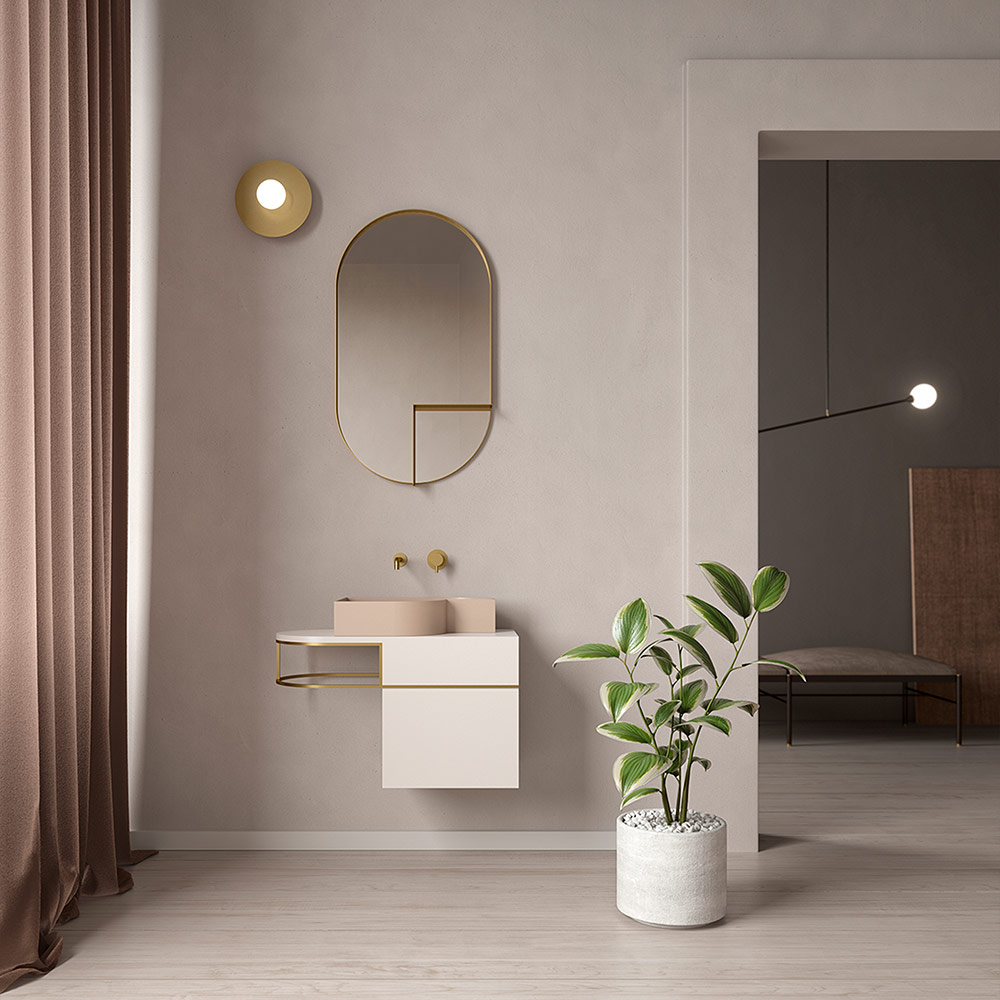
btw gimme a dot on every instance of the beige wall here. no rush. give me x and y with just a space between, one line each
553 131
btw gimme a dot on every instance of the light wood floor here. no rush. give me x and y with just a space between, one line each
879 877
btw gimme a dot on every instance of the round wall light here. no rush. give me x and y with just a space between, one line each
923 396
271 193
273 198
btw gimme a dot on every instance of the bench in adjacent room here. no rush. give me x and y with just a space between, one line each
853 664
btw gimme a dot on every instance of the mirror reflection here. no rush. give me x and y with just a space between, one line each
414 347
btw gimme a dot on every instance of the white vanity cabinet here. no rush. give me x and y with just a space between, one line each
449 704
450 712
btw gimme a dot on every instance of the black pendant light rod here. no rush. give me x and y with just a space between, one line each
826 409
842 413
826 265
922 396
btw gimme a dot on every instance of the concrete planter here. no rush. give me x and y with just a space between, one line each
671 879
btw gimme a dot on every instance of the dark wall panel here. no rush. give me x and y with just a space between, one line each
955 519
914 297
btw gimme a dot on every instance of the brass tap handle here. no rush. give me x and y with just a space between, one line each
437 559
399 560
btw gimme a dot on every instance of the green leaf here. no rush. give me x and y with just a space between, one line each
631 625
663 621
695 648
637 793
691 693
664 712
704 761
715 721
691 630
686 729
590 651
729 587
689 669
662 658
624 731
619 696
722 703
769 588
781 663
634 767
714 617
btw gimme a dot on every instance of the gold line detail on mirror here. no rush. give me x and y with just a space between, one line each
445 408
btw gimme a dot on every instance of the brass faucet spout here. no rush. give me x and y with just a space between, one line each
399 560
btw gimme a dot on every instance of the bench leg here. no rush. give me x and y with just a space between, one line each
906 702
958 710
788 708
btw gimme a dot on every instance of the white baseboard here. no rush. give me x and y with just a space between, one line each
373 840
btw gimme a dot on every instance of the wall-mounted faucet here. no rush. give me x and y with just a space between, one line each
399 560
437 559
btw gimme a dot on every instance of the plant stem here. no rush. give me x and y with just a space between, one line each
732 666
683 807
677 809
628 669
652 736
663 796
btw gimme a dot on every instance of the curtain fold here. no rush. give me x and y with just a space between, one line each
64 187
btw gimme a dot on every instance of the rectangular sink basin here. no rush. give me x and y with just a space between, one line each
390 616
371 616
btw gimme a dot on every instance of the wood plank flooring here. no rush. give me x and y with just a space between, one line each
879 877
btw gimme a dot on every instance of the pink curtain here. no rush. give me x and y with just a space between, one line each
64 189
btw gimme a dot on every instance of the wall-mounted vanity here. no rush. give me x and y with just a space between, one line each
414 400
449 703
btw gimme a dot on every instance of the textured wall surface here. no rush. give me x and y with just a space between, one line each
955 515
914 297
553 131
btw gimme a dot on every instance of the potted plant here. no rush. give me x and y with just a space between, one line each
672 860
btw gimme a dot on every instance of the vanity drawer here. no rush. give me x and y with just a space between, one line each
455 659
450 738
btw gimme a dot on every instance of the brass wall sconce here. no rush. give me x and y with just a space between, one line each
273 198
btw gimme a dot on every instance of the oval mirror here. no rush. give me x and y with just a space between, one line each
414 346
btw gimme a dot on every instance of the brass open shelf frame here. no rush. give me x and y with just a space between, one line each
307 680
313 679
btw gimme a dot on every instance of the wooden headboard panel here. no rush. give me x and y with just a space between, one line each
955 570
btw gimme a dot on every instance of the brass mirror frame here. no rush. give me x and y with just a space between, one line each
417 407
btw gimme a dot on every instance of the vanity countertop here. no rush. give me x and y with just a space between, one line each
325 636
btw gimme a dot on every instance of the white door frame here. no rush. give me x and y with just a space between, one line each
727 104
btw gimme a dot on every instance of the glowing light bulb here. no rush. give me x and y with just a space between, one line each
924 396
271 193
